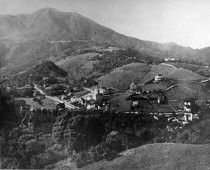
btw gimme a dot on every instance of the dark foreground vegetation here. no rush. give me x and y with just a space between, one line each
83 137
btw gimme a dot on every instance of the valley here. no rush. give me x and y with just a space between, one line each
76 94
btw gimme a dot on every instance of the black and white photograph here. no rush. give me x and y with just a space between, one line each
105 84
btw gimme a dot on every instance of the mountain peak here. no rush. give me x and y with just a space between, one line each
49 24
171 43
53 10
48 9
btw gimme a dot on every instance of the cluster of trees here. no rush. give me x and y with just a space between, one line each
95 135
26 149
112 60
3 52
8 115
86 136
36 74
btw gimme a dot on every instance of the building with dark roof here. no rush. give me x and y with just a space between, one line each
146 99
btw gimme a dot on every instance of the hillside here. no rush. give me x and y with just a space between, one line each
122 77
171 72
163 69
181 92
96 139
37 73
31 35
183 74
78 64
159 156
51 25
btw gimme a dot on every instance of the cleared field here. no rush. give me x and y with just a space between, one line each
181 92
183 74
46 103
202 89
120 103
163 68
165 156
172 72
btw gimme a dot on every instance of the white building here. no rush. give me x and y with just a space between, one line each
133 87
158 77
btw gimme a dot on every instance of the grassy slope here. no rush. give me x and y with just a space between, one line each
159 156
139 73
183 74
202 89
122 77
172 72
79 63
162 69
181 92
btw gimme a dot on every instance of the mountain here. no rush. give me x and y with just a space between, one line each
29 37
50 24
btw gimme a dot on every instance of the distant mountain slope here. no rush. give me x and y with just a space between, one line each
158 156
48 25
51 24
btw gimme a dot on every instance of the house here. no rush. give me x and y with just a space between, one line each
159 77
190 109
90 104
144 99
169 59
190 106
188 116
98 98
187 107
99 92
133 87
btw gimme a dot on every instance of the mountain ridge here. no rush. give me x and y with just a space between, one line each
49 24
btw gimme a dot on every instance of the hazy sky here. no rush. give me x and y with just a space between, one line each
186 22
